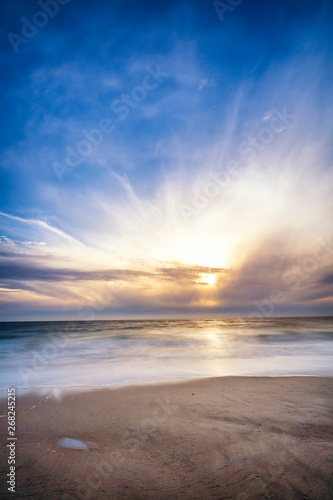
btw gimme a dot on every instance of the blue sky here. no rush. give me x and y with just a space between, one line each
136 206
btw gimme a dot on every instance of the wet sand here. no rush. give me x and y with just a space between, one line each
221 438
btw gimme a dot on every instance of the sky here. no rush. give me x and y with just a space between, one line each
166 159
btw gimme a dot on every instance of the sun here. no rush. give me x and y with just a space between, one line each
209 278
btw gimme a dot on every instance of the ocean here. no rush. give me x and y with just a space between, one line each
102 353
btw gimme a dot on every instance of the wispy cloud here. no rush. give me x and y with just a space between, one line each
43 225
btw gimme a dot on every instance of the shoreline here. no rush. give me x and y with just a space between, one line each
38 390
220 437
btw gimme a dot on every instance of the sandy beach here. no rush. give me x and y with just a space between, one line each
231 437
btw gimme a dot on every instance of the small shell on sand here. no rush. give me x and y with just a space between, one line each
76 444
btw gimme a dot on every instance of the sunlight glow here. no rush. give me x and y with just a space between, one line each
200 250
208 278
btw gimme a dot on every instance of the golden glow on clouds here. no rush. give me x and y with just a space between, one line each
230 253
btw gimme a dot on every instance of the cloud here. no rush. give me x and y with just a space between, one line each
327 279
24 272
188 274
43 225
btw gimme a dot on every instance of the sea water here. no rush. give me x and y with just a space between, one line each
101 353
